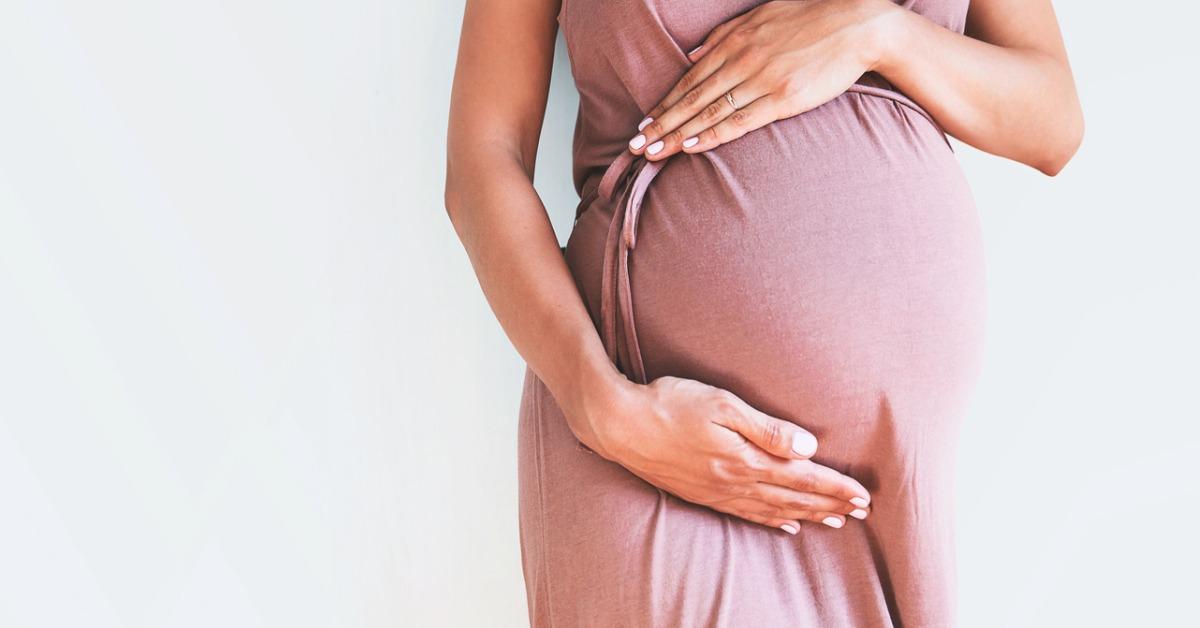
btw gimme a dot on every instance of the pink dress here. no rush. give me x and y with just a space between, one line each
828 269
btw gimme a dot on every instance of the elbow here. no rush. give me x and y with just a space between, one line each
450 193
1060 152
448 199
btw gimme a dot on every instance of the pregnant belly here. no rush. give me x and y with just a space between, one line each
827 268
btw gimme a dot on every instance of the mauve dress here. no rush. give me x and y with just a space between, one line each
827 268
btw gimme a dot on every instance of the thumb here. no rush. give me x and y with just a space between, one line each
777 436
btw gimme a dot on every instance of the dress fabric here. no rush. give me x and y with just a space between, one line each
828 269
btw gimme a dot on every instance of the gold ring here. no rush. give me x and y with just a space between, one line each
729 97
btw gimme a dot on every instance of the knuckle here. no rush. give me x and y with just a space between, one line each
803 481
740 117
741 472
754 464
725 403
753 56
801 502
773 434
654 129
790 85
691 98
687 81
712 111
674 137
717 468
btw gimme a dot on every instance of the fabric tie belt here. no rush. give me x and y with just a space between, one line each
633 173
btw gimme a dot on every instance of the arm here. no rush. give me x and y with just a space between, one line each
698 442
1005 87
497 107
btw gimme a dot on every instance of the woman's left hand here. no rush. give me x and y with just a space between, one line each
777 60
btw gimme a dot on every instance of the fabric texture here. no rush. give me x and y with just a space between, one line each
828 269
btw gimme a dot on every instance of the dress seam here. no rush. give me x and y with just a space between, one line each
544 584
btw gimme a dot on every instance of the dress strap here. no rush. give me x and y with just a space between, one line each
617 329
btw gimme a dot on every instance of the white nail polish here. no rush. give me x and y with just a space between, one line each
637 141
655 147
804 444
690 142
644 122
858 513
789 528
858 501
833 522
695 50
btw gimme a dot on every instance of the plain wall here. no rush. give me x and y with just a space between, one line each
247 376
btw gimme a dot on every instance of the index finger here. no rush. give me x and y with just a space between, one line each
693 91
809 476
699 71
716 35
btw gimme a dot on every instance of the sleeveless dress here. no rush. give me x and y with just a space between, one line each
828 269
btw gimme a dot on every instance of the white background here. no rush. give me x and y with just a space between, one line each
247 377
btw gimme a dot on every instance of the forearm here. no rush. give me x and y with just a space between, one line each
514 252
1014 101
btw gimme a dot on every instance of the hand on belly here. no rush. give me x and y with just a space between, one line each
773 62
707 446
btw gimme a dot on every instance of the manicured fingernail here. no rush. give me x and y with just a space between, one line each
695 50
637 141
653 148
858 513
690 142
833 522
644 122
804 444
789 528
858 501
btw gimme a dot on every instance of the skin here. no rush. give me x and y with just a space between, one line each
698 442
1005 87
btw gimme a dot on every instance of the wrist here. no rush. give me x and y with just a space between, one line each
889 26
596 406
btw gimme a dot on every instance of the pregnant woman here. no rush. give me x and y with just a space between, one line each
748 366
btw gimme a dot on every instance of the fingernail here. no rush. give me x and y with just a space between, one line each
653 148
690 142
858 513
789 528
637 141
644 122
833 522
858 501
804 444
695 50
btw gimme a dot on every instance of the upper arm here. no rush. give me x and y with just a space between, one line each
1019 24
502 76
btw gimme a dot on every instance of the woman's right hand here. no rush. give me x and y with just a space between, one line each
707 446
